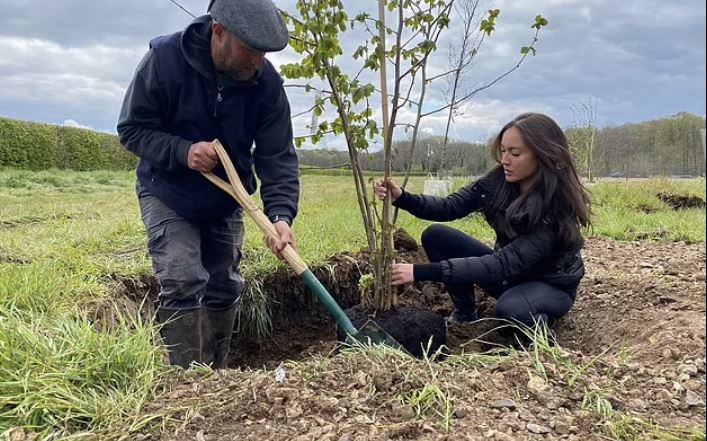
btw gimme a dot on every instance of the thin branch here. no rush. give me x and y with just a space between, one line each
305 86
183 8
475 91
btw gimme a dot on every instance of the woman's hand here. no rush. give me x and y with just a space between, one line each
402 273
382 187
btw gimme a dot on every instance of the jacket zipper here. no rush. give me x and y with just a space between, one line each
219 98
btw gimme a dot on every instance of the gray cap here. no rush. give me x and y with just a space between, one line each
257 23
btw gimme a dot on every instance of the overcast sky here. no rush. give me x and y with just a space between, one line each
70 61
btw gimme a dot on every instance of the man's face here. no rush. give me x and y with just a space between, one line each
232 57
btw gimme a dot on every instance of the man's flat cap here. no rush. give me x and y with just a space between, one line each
257 23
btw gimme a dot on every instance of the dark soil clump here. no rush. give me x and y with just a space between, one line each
679 202
418 331
403 241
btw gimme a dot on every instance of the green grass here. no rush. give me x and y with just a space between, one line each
632 211
65 236
61 377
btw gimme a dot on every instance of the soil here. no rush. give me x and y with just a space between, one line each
681 202
638 325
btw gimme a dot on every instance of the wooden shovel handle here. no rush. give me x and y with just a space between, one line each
238 192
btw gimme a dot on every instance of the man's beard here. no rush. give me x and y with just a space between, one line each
231 68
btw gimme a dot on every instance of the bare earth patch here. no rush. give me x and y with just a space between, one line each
638 329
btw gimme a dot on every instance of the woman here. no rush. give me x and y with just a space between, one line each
536 204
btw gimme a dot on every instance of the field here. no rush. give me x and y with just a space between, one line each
78 360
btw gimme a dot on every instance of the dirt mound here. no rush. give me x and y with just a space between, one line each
680 202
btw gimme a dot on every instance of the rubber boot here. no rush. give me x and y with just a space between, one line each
464 306
216 332
181 333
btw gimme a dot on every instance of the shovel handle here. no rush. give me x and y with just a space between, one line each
238 192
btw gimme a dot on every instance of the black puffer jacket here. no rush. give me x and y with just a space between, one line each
534 256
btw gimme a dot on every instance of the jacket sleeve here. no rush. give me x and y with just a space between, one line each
275 160
467 200
140 123
516 258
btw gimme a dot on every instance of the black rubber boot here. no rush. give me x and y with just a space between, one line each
216 332
181 333
464 305
458 317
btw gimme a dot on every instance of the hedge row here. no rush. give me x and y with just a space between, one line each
34 146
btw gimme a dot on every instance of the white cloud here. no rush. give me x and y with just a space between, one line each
74 124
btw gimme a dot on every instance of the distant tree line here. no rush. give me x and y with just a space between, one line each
663 147
461 158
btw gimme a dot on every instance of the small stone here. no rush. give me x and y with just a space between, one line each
689 369
346 437
460 413
577 396
537 428
403 413
495 435
562 428
693 400
501 404
639 405
664 395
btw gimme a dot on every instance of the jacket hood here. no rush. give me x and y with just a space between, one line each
196 46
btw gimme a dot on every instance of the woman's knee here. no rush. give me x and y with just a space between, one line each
514 308
434 239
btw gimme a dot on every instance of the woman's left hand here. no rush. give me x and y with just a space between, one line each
402 273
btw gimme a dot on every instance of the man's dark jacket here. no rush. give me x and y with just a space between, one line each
174 101
533 256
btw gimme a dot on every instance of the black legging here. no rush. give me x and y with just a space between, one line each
526 303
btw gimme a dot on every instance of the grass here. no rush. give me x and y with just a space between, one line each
65 236
61 377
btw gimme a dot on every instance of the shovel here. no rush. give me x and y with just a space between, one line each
371 332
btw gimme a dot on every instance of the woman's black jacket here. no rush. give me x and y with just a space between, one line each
536 256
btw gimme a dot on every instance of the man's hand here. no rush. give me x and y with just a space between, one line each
402 273
287 237
202 157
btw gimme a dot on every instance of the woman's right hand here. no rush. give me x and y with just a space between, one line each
382 187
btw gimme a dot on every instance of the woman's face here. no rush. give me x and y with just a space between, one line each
519 162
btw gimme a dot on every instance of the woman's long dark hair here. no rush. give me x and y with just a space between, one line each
556 199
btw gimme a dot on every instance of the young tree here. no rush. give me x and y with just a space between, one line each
415 30
316 37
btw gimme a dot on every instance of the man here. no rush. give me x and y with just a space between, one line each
210 81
